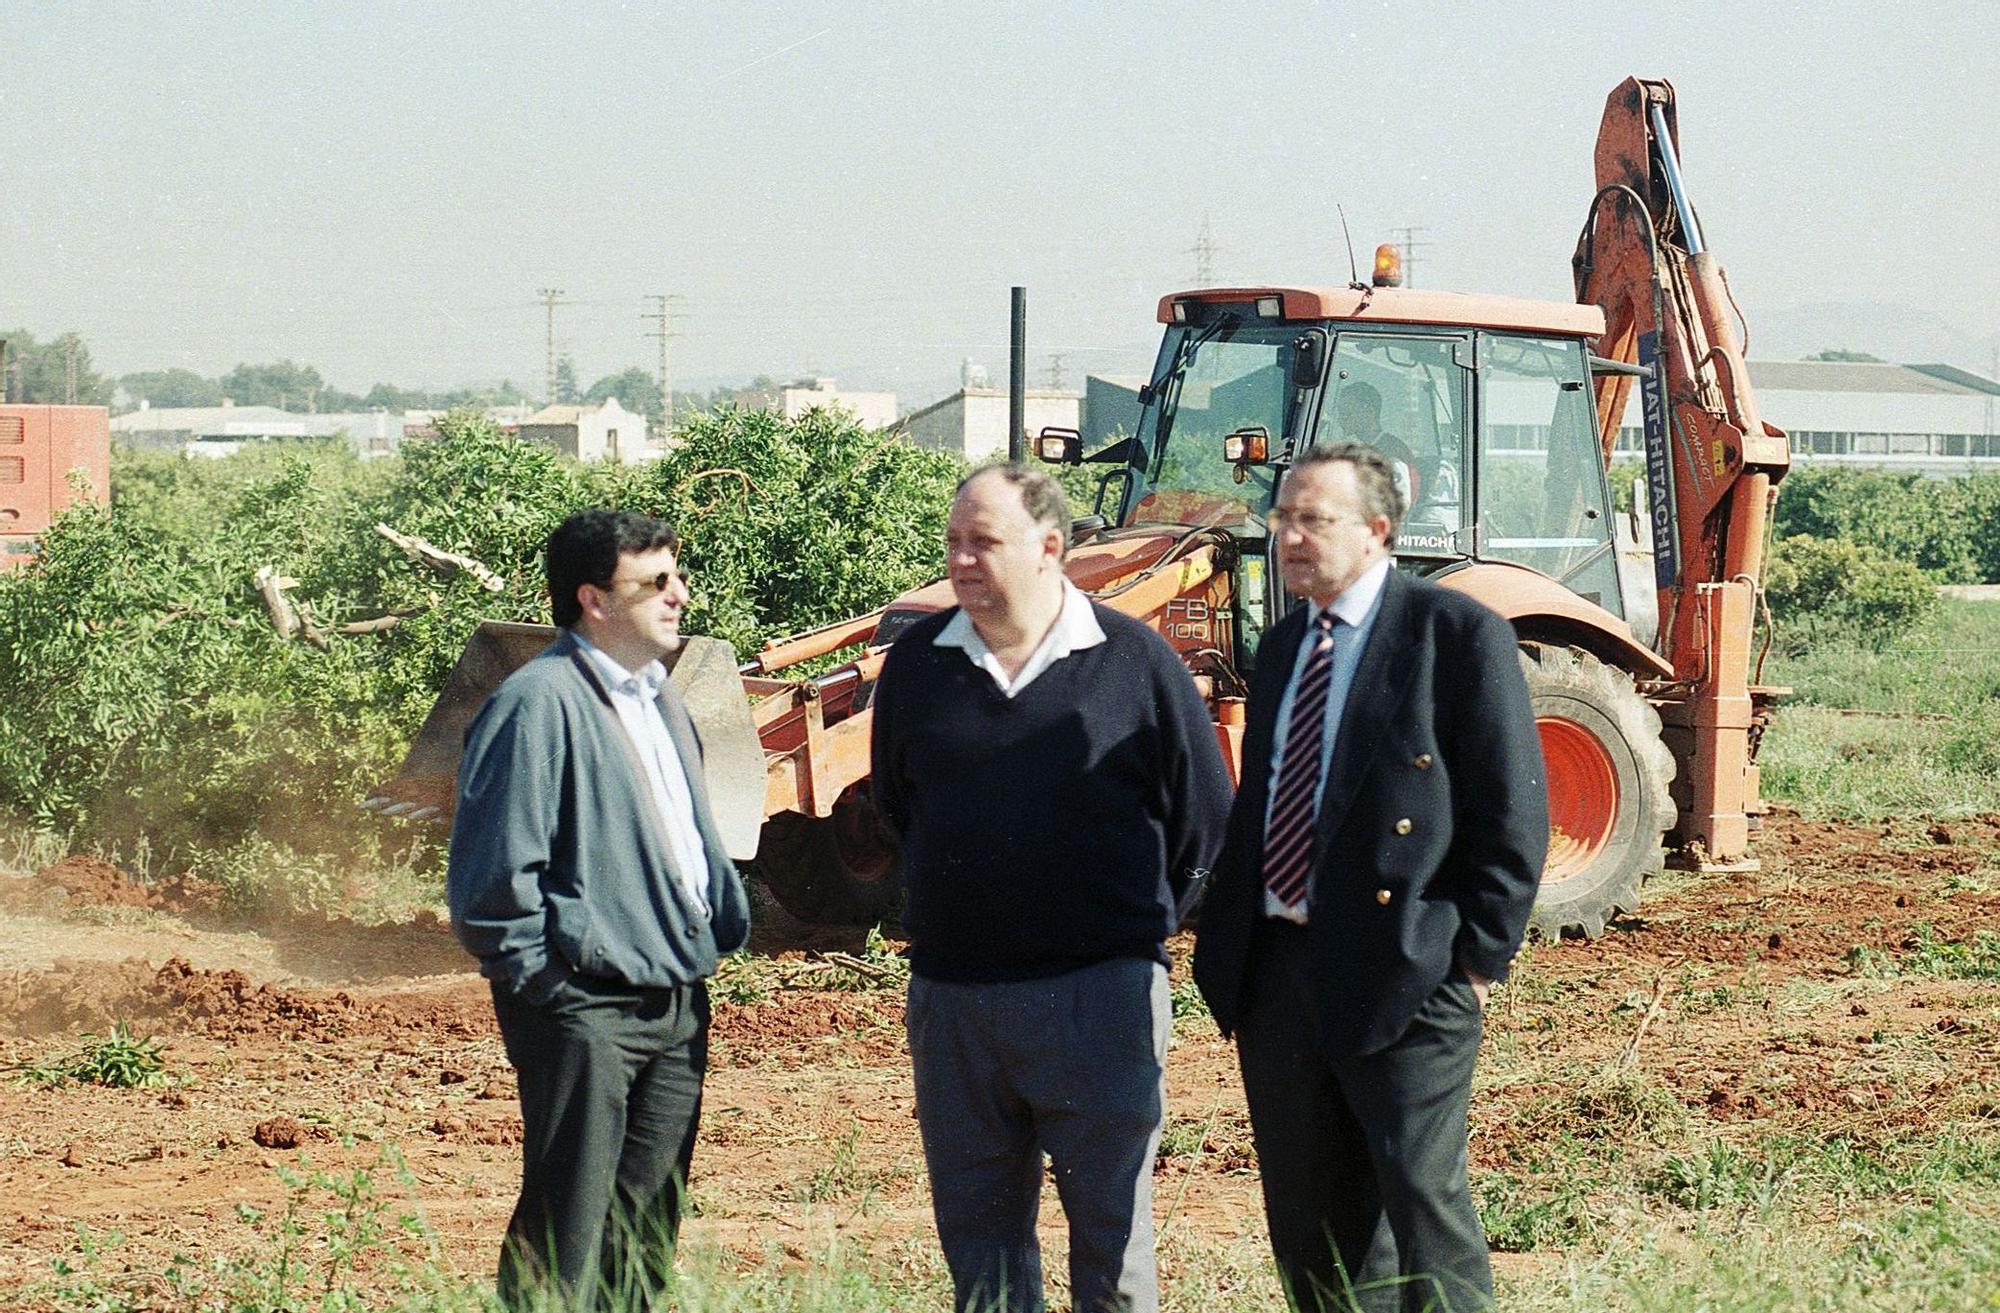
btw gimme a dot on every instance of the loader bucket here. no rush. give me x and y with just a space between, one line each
703 673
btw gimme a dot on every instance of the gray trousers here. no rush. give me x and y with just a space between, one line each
610 1097
1363 1159
1072 1066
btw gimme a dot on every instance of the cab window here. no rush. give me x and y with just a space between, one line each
1403 396
1542 495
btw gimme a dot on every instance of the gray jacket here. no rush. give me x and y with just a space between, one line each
559 860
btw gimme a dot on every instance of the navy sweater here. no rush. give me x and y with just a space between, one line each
1053 830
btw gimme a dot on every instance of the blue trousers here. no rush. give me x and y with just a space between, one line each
1071 1066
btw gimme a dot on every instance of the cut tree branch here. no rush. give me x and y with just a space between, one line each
440 561
272 586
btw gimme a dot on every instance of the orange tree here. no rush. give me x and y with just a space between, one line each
145 698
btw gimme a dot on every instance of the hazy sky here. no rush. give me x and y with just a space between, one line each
379 189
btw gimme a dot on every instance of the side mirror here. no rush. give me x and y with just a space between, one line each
1248 446
1058 446
1308 356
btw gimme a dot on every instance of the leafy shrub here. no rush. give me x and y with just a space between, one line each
145 696
1942 526
1823 590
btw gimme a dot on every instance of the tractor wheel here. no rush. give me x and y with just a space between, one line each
835 870
1609 804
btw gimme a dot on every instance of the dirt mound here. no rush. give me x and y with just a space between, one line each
222 1004
86 879
799 1028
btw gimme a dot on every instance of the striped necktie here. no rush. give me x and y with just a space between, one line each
1295 804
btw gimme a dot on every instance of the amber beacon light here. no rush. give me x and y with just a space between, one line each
1388 265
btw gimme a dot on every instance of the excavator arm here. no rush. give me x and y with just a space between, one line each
1712 463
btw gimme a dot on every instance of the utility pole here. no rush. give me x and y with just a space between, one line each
551 297
1055 371
1409 245
1204 255
69 372
1017 377
662 314
1993 375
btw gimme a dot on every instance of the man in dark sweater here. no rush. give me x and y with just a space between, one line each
1055 781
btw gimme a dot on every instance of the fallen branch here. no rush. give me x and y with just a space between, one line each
379 625
748 485
272 586
440 561
310 631
1631 1053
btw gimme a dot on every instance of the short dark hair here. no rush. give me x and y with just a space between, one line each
1374 478
1044 498
1364 393
585 549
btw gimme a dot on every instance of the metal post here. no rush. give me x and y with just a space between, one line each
1017 380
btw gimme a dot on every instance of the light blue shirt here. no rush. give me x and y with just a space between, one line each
635 696
1357 607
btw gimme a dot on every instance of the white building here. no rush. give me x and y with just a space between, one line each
972 422
206 430
877 410
1933 419
587 432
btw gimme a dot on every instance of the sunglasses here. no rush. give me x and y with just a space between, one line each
658 583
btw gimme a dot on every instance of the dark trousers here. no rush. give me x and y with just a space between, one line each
1363 1159
1070 1065
610 1097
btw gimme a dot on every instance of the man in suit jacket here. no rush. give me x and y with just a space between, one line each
588 877
1381 861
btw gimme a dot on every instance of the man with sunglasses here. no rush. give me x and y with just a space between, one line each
588 877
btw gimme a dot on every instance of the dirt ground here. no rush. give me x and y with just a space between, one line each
332 1041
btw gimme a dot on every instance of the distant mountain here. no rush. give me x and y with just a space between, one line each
1902 334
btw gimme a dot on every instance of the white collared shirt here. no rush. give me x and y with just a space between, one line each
1075 628
635 696
1356 607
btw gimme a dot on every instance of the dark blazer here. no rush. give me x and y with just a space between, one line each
1432 830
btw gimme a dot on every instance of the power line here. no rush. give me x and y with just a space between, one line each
1409 245
551 298
662 315
1203 252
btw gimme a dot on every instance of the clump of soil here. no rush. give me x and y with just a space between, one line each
222 1004
286 1133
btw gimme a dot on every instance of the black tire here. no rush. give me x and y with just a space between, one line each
841 869
1609 800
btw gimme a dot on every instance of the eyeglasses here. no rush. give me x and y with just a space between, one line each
1306 522
659 583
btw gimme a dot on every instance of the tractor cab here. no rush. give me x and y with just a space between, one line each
1482 405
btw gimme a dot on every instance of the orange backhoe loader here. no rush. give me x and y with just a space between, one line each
1502 415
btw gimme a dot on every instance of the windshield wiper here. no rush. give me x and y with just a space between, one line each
1183 357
